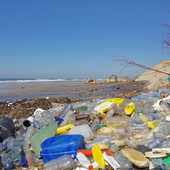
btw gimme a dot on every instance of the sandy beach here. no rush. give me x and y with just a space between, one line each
69 90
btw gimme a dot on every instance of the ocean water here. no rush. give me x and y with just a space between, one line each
21 93
7 82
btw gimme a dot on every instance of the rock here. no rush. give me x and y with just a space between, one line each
136 157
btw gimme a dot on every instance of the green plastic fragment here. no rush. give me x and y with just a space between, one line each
42 135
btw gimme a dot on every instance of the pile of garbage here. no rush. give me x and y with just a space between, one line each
111 133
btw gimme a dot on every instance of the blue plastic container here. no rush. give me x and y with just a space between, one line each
58 146
169 79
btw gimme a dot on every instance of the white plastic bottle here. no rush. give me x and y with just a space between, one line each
84 161
111 161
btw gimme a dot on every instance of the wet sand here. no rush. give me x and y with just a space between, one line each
70 90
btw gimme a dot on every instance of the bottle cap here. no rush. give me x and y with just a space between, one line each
29 159
90 167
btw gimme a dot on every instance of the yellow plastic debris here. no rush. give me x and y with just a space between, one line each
63 129
129 109
102 108
116 101
98 156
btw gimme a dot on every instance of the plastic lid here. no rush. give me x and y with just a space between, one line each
90 167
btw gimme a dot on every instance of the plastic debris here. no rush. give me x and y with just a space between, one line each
118 133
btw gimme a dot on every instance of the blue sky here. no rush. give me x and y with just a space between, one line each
77 38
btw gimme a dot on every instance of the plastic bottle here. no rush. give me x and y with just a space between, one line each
38 125
104 140
158 163
18 143
63 129
136 128
122 161
7 163
7 158
68 119
106 130
98 156
130 141
30 132
119 133
102 108
166 143
24 125
82 116
113 147
116 122
84 160
28 154
95 123
81 108
65 111
3 145
37 162
18 160
111 161
62 163
160 130
109 114
155 143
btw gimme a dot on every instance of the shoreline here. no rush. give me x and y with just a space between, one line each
69 90
24 100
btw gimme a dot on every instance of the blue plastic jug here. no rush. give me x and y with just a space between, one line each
57 146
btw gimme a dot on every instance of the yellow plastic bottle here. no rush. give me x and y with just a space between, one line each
98 156
116 101
63 129
129 109
102 108
145 121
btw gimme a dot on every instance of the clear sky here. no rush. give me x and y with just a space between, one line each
77 38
